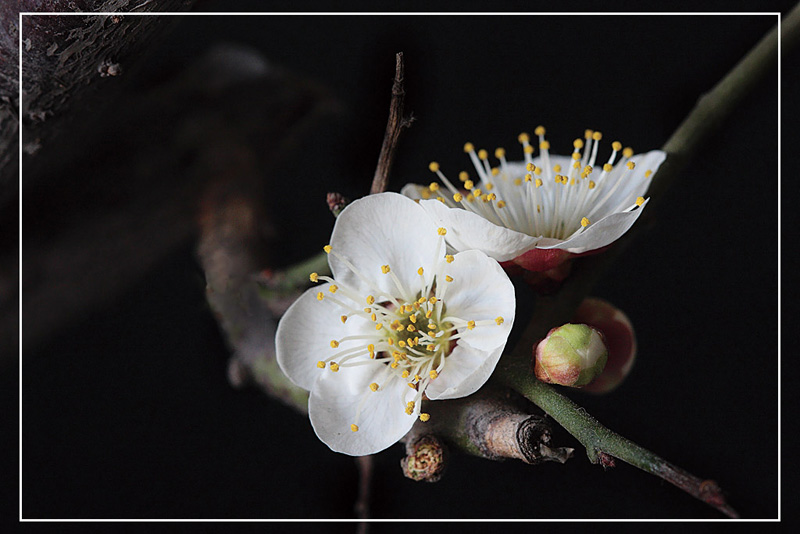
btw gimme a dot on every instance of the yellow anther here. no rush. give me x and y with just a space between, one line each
420 271
334 344
588 133
450 278
449 258
616 145
433 166
528 177
597 136
631 165
385 269
370 300
320 295
469 147
463 176
333 288
442 231
343 318
441 199
495 172
405 374
608 167
354 428
639 201
539 182
576 165
417 378
469 184
592 184
528 149
430 347
367 310
428 316
327 249
523 137
499 152
584 222
426 194
412 385
501 204
470 325
499 321
400 328
334 367
588 170
530 167
557 179
390 341
538 171
433 186
411 328
477 193
321 364
413 318
409 411
433 374
373 317
431 326
421 300
393 365
628 152
539 130
517 181
401 344
411 404
314 277
647 173
433 300
491 196
458 197
578 143
576 155
482 154
470 197
373 386
424 417
379 326
556 168
544 145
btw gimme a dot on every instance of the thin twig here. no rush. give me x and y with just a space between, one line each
364 464
394 126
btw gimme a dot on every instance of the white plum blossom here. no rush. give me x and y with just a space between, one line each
540 211
399 321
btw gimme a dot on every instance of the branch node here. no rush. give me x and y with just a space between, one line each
426 458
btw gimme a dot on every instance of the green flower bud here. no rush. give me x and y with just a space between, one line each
571 355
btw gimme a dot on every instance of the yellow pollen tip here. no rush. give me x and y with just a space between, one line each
433 186
499 321
442 231
587 133
433 300
313 277
470 325
373 386
616 145
463 176
370 300
433 374
458 197
405 374
539 182
576 165
588 169
401 344
343 318
597 136
412 385
628 152
501 204
441 199
469 184
333 288
393 365
523 137
538 171
499 152
544 145
424 417
431 326
450 278
321 364
334 367
430 347
578 143
539 130
495 172
608 167
528 177
584 222
576 156
420 271
592 184
385 269
378 326
374 318
449 258
482 154
528 149
647 173
639 201
334 344
320 295
469 147
631 165
327 249
530 167
556 168
433 166
354 428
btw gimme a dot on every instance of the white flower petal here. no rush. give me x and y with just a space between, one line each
385 229
480 291
412 191
382 421
602 233
305 332
466 371
469 231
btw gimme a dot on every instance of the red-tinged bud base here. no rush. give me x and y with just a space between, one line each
619 337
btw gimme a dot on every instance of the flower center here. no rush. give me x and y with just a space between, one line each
546 200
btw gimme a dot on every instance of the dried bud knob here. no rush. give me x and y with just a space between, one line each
570 355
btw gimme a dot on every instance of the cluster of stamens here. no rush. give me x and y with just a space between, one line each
413 333
546 200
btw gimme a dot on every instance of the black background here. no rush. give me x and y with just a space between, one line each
128 414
